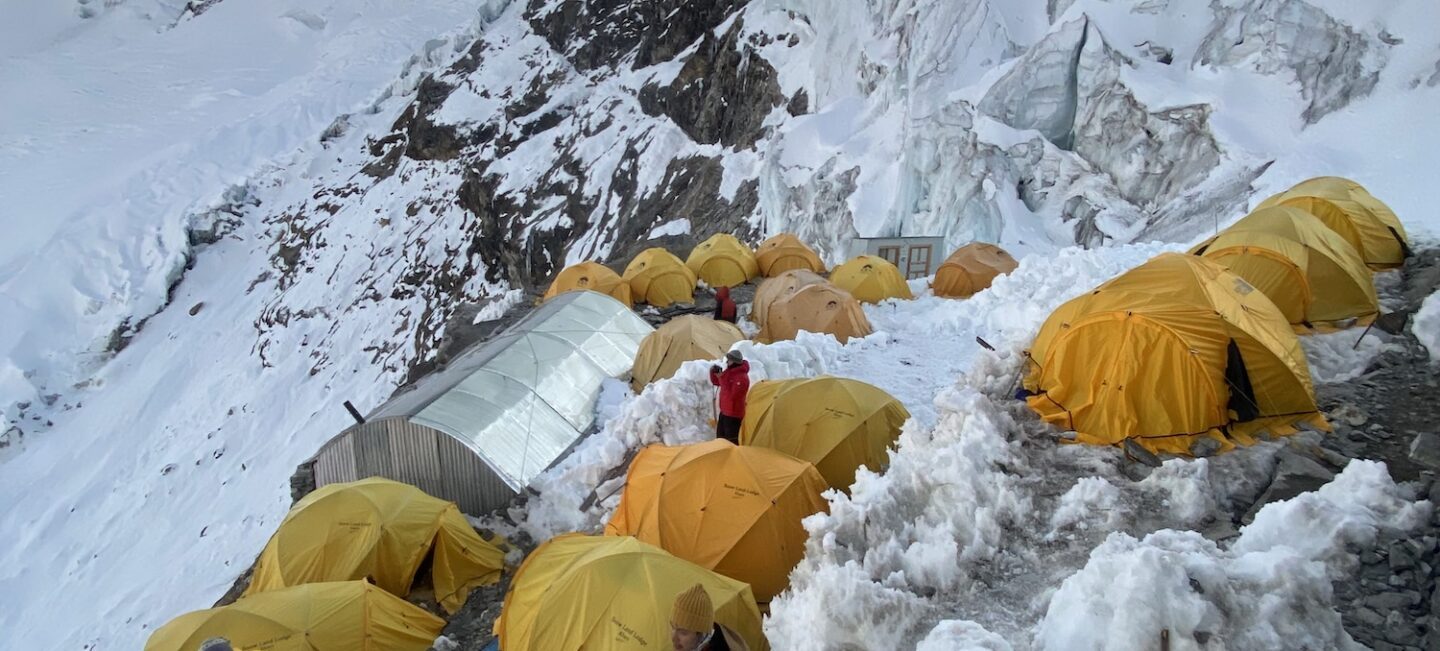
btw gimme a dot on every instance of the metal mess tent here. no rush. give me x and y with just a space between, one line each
478 431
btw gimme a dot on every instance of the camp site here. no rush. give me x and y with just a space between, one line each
682 325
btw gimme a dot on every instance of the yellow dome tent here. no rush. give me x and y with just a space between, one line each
659 278
837 424
732 509
777 287
971 269
382 529
822 308
1348 209
340 616
870 279
592 276
611 593
722 261
1170 351
680 340
785 252
1311 273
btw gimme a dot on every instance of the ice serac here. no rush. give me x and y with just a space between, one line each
1333 63
1069 87
1039 92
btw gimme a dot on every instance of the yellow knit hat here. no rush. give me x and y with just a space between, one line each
693 611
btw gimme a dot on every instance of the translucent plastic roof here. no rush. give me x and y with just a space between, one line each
521 399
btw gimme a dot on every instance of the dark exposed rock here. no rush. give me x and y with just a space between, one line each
426 140
594 33
1295 473
691 188
1425 450
799 104
722 93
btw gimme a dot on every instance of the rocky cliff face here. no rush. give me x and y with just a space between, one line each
569 130
552 131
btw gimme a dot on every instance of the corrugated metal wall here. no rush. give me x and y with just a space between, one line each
432 461
336 461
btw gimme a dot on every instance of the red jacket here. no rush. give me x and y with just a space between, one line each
734 383
724 306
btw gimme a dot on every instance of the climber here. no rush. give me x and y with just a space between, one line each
724 307
693 626
734 383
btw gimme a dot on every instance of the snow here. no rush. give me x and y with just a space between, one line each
984 532
114 133
679 226
499 306
1427 325
1270 589
961 635
1091 502
1343 355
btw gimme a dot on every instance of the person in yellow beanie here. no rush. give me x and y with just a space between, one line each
693 626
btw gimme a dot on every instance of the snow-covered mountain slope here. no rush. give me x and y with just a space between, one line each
222 224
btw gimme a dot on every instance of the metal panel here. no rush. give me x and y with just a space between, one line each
467 481
414 458
372 450
336 461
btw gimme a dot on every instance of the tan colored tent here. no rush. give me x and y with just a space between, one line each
971 269
611 593
1169 352
838 424
723 261
871 279
785 252
592 276
340 616
732 509
1366 223
659 278
680 340
381 529
822 308
1311 273
780 286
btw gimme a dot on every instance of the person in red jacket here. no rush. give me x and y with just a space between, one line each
724 306
734 383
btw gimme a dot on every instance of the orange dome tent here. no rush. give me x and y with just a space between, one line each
732 509
971 269
822 308
611 593
723 261
1348 209
337 616
838 424
659 278
1311 273
785 252
871 279
1171 351
682 339
382 529
592 276
780 286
